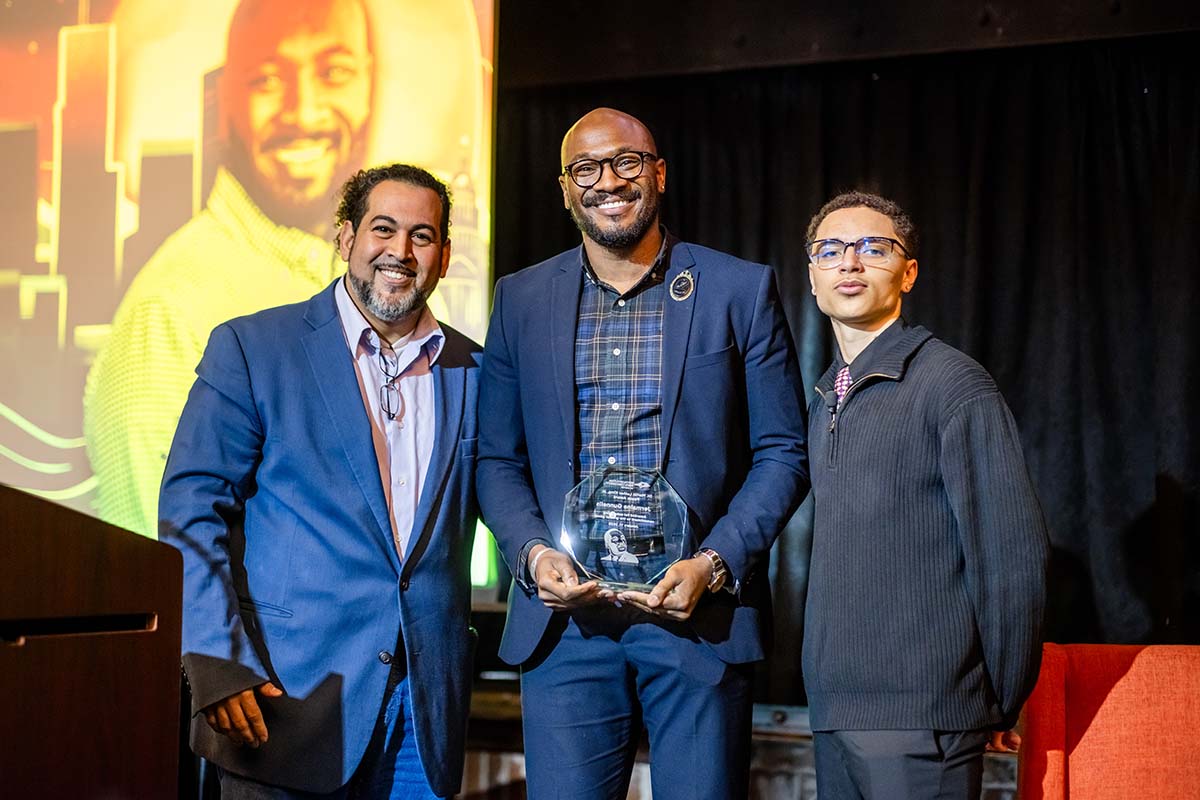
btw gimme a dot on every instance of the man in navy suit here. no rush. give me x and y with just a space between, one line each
320 487
638 350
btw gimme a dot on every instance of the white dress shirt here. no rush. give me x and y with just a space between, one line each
403 445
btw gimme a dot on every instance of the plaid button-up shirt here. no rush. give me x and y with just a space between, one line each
618 377
618 371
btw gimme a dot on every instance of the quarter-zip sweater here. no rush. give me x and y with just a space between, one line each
927 580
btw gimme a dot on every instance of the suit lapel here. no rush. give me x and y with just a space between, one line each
676 328
449 391
564 313
334 376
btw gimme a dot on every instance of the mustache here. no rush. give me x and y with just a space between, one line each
393 263
287 136
626 194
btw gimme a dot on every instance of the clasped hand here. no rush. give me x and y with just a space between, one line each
674 597
1005 741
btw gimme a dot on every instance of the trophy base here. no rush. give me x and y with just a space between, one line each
624 586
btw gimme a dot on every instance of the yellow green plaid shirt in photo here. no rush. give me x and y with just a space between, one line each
227 261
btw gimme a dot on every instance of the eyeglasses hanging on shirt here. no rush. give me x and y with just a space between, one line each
390 399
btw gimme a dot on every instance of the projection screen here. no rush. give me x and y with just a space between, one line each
158 183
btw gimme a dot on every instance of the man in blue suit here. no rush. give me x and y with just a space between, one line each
638 350
320 487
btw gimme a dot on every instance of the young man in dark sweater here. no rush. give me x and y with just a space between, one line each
927 583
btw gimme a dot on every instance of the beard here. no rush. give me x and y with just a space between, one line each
388 310
621 238
303 202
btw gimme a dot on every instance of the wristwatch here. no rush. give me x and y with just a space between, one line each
720 572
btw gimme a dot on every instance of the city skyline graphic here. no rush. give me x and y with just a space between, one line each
94 190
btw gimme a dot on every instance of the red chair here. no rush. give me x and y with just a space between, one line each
1113 721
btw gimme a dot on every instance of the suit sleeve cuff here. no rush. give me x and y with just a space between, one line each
521 575
213 679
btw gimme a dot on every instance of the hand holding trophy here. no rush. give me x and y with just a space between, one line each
624 527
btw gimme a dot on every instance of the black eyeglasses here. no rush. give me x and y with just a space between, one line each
586 172
390 399
874 251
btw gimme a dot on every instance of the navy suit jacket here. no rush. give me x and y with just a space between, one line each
733 422
272 492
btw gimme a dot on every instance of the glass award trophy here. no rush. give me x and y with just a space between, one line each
624 527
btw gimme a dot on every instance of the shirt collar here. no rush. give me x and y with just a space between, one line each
886 356
301 251
655 273
426 337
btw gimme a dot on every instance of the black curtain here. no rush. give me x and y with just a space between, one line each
1055 189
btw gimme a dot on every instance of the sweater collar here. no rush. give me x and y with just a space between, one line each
887 357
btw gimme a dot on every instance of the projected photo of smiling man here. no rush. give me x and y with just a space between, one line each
295 100
296 96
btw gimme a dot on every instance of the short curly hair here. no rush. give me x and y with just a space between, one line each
905 230
352 204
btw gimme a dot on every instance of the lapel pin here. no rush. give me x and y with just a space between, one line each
683 286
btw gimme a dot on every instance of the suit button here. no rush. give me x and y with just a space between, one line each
385 657
404 585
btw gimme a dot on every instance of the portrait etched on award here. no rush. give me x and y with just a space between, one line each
624 527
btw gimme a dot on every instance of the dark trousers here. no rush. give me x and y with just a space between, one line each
598 677
882 765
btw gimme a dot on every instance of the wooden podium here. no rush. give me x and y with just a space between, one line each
89 656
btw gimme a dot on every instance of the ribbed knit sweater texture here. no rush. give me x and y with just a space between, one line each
927 579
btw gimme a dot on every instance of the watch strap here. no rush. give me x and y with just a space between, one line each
720 573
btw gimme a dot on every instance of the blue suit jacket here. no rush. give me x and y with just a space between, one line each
733 422
272 493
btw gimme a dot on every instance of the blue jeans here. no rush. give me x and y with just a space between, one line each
390 769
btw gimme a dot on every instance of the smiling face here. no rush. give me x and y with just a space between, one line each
615 213
614 541
855 295
296 91
396 256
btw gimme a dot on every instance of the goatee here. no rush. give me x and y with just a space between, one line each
383 310
618 238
